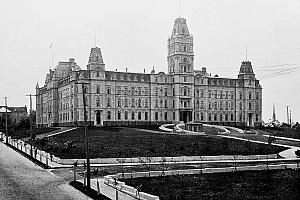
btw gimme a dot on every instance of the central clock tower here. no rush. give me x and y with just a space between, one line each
180 49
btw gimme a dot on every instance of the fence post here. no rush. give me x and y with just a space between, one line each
84 178
98 187
47 160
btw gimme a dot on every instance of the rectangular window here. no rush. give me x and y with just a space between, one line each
174 115
146 91
156 115
126 115
146 103
166 116
108 102
132 115
108 90
126 103
139 115
146 115
241 95
108 115
119 90
98 89
119 115
202 93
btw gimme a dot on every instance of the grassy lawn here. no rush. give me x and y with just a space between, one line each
282 132
276 184
22 133
123 142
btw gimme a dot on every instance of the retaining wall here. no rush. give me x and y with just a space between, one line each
145 160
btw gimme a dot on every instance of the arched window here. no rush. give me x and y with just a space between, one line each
108 102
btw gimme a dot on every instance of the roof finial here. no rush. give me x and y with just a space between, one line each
180 7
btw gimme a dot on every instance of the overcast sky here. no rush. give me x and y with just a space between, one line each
134 34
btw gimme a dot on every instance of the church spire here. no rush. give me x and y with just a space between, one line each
274 115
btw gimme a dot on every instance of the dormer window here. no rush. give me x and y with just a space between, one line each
97 74
183 30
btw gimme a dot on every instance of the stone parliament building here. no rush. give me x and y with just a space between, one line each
124 98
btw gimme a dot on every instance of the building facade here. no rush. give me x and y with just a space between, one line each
124 98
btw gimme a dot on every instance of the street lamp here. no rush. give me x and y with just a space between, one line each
88 170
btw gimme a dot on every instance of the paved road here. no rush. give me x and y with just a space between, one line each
22 179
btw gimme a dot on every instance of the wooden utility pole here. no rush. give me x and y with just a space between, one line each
88 170
30 122
6 120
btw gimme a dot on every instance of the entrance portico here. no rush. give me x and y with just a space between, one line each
185 115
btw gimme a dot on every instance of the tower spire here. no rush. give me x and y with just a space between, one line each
274 115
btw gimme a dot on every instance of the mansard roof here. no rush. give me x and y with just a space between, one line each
180 27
